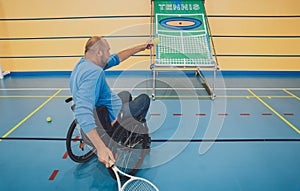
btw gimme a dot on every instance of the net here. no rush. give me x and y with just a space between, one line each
184 50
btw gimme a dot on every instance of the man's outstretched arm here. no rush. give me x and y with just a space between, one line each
124 54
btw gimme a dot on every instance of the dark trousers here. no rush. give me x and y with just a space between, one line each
136 108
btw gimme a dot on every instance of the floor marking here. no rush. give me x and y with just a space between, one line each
53 175
288 114
162 97
31 114
65 155
245 114
131 88
232 96
177 114
275 112
33 89
19 96
223 114
293 95
277 96
200 114
76 138
267 114
225 140
154 114
164 140
180 96
31 96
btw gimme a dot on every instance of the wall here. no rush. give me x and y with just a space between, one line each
50 35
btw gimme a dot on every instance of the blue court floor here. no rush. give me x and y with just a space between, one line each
247 139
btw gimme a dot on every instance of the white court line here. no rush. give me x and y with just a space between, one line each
67 89
32 89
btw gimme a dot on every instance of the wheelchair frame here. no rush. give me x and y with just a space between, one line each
130 148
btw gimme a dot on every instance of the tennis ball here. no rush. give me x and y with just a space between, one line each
156 41
49 119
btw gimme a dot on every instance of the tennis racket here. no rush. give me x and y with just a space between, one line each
133 183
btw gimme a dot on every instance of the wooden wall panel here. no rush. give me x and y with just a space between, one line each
50 35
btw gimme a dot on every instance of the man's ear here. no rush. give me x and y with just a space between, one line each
99 52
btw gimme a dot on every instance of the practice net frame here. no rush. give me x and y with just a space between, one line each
182 48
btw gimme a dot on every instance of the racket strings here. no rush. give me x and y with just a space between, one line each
138 185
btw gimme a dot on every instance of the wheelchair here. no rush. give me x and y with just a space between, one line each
128 139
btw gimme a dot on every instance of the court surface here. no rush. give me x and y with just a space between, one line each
246 139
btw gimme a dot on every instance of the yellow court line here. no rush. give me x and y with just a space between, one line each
31 114
293 95
274 111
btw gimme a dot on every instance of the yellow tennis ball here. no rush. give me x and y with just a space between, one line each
156 41
49 119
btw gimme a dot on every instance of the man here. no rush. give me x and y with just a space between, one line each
90 90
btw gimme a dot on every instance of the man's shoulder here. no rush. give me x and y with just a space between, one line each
86 70
89 67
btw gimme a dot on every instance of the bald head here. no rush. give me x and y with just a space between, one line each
97 50
94 43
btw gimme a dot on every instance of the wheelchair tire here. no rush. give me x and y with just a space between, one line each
77 150
131 149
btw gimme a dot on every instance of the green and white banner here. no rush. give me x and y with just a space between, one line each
182 30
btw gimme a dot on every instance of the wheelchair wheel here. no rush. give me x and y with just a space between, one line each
77 150
130 147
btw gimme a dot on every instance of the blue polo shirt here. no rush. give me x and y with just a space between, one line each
89 90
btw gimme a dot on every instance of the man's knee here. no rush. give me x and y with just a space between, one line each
144 98
125 96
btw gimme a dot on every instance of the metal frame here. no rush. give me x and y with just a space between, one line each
210 90
3 74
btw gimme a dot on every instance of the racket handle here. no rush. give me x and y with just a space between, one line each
111 163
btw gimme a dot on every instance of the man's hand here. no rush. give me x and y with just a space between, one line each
149 44
105 155
124 54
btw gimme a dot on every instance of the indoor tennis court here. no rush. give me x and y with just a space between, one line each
256 142
245 137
